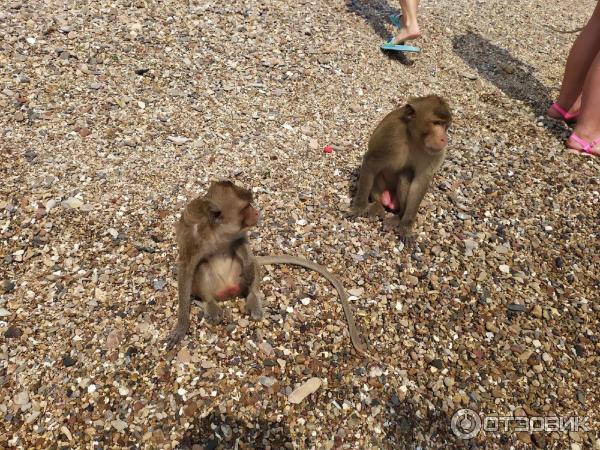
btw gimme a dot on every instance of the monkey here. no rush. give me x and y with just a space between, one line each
216 262
407 147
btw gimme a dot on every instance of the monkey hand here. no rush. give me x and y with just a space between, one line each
175 336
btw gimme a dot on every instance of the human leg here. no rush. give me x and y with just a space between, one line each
581 56
588 125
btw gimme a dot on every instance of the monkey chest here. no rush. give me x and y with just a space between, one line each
220 277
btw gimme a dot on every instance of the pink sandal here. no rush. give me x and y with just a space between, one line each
566 115
586 147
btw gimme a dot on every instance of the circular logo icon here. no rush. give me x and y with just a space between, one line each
465 423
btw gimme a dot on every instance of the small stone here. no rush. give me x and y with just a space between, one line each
159 284
524 437
141 71
8 286
304 390
4 312
13 332
536 311
504 269
375 372
118 425
72 203
580 350
68 361
267 381
207 364
437 363
95 86
178 140
357 292
515 307
22 398
491 327
559 262
266 348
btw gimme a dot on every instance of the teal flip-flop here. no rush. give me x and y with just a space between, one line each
395 19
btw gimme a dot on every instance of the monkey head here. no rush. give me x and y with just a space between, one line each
230 206
226 209
428 120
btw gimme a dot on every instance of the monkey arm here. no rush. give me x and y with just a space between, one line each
416 192
185 278
365 185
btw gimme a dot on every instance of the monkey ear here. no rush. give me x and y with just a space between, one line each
214 213
408 112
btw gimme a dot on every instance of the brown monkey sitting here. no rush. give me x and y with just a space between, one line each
216 263
404 152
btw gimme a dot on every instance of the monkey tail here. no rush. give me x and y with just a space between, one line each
355 336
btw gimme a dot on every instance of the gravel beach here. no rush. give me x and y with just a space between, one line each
116 114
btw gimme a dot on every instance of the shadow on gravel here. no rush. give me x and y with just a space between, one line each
513 77
220 431
407 431
376 13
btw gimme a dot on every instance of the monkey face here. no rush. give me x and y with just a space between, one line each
431 118
436 139
231 210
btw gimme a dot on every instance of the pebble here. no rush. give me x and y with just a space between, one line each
267 381
72 203
4 312
491 327
118 425
13 332
515 307
68 361
356 292
504 268
537 311
375 372
303 391
22 398
266 348
178 140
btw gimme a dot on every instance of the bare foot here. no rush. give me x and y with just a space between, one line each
407 33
